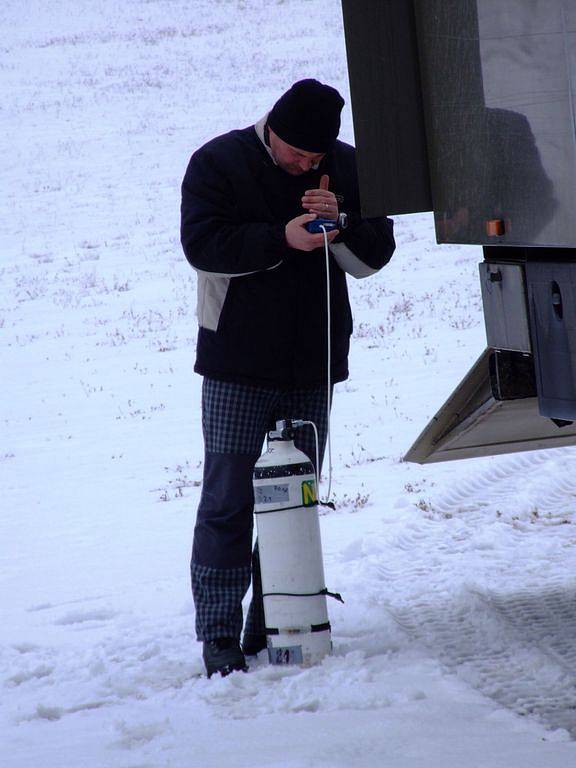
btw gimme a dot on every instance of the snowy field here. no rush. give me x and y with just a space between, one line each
455 647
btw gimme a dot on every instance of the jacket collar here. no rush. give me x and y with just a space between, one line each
259 128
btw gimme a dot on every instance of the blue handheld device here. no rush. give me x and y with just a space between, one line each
314 226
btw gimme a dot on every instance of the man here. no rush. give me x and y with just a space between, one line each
262 308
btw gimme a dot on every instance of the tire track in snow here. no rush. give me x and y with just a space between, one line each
487 580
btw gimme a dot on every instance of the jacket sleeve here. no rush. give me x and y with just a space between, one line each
365 246
213 238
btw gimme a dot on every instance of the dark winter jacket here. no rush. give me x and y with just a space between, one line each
261 305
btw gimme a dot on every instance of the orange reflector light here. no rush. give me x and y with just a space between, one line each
495 227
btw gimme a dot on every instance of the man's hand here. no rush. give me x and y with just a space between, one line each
299 238
321 201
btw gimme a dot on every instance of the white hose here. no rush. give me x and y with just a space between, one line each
311 423
329 361
328 391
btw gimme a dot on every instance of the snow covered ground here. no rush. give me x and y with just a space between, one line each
456 643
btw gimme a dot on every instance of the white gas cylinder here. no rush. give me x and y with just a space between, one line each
292 570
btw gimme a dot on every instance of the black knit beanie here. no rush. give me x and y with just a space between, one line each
308 116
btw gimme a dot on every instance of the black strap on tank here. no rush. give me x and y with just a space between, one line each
313 628
329 504
283 470
285 509
335 595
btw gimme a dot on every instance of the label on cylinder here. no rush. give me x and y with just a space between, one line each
308 493
286 655
268 494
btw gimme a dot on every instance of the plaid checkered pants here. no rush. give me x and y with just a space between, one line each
235 420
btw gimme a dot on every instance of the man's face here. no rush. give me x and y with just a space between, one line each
291 159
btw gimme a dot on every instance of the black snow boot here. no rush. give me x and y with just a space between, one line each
223 655
253 644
